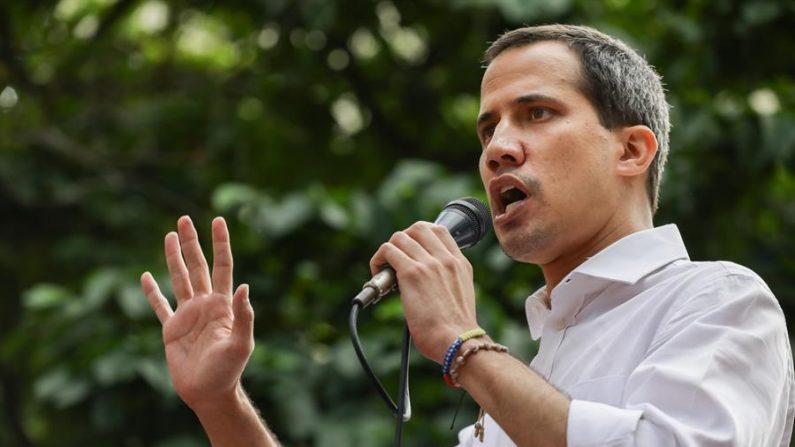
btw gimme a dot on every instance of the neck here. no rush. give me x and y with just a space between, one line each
617 227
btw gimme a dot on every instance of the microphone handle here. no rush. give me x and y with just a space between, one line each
380 284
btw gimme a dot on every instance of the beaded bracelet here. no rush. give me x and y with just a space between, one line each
460 360
453 350
480 427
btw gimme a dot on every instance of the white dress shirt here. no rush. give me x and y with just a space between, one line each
657 350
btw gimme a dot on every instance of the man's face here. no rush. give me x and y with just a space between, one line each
547 162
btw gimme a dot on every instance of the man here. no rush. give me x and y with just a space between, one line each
639 345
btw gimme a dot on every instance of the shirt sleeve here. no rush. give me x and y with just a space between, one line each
719 373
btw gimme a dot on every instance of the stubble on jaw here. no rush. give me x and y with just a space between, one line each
526 240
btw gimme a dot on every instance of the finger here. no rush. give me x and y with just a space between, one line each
446 238
156 299
406 243
430 238
389 254
222 258
194 258
243 327
180 279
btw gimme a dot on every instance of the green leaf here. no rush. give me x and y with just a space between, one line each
100 285
61 388
334 215
156 374
133 302
230 196
117 366
43 296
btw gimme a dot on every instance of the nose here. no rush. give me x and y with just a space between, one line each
504 150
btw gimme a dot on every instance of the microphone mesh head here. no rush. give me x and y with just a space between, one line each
477 213
482 213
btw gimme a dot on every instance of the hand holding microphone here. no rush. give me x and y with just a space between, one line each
467 220
435 279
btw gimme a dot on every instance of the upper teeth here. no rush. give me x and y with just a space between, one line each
505 188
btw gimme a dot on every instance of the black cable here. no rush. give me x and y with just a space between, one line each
403 397
354 316
402 410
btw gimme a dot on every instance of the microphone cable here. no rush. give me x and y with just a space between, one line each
402 410
467 220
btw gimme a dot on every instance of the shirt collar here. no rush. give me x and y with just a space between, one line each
536 309
626 261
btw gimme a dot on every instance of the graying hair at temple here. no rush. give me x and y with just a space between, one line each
622 86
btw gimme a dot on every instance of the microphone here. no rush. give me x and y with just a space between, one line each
467 220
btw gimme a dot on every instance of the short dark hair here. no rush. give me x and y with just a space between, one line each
621 85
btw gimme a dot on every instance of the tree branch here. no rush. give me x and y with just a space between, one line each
109 20
361 87
11 403
8 54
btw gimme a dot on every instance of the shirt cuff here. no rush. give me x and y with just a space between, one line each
593 423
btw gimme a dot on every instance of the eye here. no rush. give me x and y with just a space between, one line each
487 133
539 113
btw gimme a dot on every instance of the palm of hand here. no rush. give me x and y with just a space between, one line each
199 348
209 338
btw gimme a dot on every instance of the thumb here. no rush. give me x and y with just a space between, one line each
243 327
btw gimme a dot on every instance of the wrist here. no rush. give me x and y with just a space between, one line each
451 355
231 402
447 337
470 352
475 341
232 421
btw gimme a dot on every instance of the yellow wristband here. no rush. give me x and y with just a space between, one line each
472 333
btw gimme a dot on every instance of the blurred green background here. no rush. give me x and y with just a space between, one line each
317 127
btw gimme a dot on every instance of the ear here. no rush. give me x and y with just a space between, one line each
639 145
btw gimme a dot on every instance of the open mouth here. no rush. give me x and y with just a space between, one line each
509 196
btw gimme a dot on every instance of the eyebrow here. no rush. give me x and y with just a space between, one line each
524 99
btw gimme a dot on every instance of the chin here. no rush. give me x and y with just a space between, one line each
531 246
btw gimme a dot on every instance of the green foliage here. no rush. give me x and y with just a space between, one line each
317 128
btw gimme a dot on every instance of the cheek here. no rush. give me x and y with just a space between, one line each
562 164
570 172
484 175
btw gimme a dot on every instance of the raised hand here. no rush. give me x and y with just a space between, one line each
209 338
